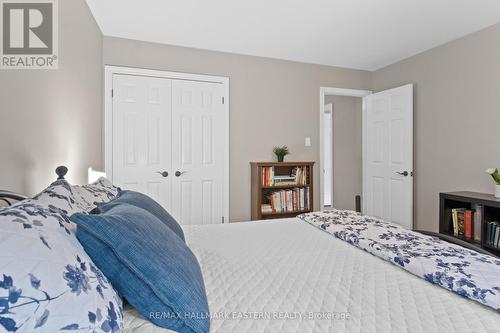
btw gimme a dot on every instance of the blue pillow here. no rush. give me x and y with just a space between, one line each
148 264
143 201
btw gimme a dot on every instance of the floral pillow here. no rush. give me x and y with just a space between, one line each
47 281
102 190
58 197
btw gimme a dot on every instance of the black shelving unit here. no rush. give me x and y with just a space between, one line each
490 211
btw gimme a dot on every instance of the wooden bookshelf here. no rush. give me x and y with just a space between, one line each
489 208
260 192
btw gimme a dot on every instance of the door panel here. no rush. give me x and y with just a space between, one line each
142 135
198 151
389 153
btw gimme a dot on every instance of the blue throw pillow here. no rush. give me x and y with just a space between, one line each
148 264
143 201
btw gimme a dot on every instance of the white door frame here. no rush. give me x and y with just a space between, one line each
110 70
328 107
328 91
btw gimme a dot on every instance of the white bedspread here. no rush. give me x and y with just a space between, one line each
286 270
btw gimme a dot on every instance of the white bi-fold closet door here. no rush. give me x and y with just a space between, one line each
169 142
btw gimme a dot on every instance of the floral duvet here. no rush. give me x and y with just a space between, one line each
463 271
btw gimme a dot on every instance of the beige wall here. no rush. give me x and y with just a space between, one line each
52 117
347 151
272 102
456 119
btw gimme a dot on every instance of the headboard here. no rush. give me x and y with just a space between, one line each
9 198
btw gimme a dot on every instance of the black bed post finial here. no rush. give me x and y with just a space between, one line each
61 171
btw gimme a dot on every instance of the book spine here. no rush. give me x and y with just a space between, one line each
294 196
287 197
497 238
489 233
455 221
461 223
478 209
496 234
468 224
493 233
306 198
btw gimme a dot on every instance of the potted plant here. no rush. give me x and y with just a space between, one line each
493 172
281 152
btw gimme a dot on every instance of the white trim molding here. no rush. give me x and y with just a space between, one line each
329 91
110 70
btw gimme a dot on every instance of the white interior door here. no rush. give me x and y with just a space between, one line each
388 155
198 151
142 134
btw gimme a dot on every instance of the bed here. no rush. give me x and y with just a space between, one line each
271 276
286 275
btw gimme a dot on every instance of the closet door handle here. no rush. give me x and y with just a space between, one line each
404 173
178 173
163 173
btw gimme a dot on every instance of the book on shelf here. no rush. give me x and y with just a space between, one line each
266 208
298 176
477 218
493 233
267 176
463 222
468 224
458 218
287 201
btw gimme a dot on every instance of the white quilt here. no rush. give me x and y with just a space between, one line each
274 276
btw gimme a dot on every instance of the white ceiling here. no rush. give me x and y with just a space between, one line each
362 34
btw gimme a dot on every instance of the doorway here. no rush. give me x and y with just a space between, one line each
387 153
339 180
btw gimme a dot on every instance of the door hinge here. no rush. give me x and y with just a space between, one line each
222 218
223 101
112 92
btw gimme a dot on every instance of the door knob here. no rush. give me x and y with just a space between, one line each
178 173
163 173
404 173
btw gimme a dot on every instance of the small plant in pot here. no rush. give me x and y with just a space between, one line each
493 172
281 152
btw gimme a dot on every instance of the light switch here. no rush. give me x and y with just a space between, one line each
308 142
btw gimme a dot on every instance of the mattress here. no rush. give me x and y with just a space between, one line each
287 276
